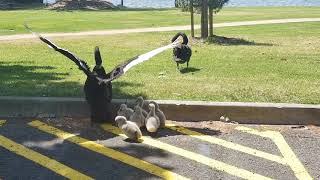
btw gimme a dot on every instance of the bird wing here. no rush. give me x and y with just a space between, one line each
124 67
80 63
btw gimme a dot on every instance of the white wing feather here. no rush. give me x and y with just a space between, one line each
148 55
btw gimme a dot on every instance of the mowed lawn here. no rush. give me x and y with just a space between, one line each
279 63
11 22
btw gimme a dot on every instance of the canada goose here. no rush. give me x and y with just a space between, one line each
137 117
152 120
125 111
130 129
160 114
181 53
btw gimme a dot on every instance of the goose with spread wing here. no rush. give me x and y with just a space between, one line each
119 70
98 88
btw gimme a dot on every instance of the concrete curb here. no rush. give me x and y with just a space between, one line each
250 113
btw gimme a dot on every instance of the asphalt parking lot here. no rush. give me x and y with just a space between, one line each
76 149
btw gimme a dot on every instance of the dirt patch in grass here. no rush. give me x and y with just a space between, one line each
82 4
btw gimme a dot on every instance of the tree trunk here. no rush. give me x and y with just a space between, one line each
121 2
204 19
192 18
211 22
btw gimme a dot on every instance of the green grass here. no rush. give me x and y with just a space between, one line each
281 65
11 22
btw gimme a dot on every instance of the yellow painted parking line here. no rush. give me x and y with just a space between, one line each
2 122
288 154
253 131
227 144
44 161
218 165
93 146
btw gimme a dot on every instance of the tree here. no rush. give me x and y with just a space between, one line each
204 19
192 18
214 6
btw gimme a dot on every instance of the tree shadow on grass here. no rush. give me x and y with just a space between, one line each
27 80
19 79
226 41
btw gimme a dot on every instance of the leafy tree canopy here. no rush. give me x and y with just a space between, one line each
216 5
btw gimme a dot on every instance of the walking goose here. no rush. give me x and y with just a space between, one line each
181 53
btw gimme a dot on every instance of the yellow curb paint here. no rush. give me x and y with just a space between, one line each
2 122
127 159
291 159
218 165
227 144
44 161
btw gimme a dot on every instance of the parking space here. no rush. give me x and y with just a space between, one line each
77 149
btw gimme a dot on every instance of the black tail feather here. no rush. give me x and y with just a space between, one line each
97 56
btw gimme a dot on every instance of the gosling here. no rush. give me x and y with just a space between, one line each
152 120
125 111
130 129
143 104
160 114
137 116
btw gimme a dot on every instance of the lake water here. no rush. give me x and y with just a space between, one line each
232 3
